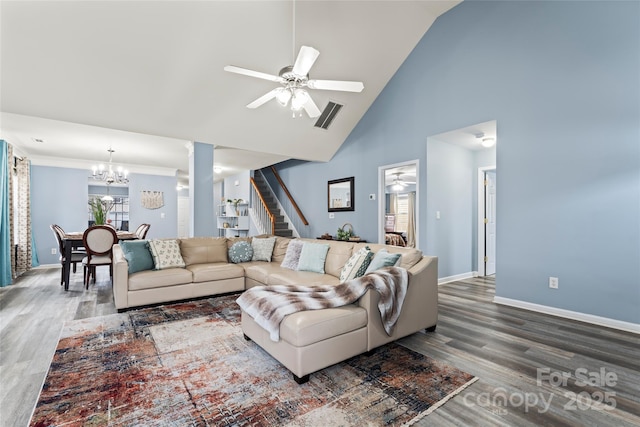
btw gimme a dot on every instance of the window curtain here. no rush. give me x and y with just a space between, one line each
411 220
6 248
22 215
393 203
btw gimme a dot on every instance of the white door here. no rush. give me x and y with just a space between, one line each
490 223
183 217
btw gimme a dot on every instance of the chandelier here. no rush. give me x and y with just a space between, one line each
108 174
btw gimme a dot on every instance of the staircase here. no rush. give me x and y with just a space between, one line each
281 226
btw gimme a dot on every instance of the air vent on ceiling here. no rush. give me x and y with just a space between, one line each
328 115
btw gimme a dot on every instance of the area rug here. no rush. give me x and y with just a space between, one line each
187 364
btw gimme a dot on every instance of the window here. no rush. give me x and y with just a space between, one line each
402 212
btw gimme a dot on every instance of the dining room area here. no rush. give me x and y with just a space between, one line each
90 248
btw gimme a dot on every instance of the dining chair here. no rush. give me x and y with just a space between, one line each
76 255
142 231
99 241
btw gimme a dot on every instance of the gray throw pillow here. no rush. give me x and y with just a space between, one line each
292 257
262 249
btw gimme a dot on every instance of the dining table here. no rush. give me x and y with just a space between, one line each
73 240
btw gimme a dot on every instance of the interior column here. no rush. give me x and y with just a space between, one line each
201 207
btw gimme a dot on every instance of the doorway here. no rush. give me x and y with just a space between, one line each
486 221
398 202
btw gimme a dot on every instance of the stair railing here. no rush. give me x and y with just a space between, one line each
263 218
289 196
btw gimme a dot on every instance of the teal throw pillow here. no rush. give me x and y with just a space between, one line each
137 254
240 252
383 259
312 257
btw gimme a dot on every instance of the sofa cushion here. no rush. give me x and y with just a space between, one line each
308 278
312 326
280 249
312 257
262 248
338 255
357 264
383 259
166 253
138 255
202 250
260 271
150 279
240 252
215 271
292 256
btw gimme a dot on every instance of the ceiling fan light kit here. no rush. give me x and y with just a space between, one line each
294 79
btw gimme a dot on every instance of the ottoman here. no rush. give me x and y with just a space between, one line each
314 339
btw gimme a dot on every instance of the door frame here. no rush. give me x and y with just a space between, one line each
381 198
481 228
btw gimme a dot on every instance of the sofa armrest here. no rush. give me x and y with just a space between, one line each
120 278
420 308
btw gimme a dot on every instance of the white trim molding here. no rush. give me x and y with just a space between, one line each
463 276
573 315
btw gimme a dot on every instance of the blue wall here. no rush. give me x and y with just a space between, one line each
561 80
60 196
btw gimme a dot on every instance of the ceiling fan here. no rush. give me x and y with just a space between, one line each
294 79
398 183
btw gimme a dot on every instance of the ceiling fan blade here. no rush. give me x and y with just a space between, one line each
336 85
251 73
306 57
311 108
264 98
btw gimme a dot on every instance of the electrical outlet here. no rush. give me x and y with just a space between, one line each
372 196
54 251
553 282
332 215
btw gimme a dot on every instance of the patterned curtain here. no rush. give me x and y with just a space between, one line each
22 217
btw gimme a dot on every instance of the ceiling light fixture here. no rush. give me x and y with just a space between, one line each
485 141
488 142
217 169
108 174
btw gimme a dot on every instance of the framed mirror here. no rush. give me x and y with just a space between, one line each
340 195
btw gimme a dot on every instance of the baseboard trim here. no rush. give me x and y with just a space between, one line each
469 275
568 314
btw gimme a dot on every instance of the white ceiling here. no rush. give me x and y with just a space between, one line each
147 77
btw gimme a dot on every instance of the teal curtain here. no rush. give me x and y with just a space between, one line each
5 230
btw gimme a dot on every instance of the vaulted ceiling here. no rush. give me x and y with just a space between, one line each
147 77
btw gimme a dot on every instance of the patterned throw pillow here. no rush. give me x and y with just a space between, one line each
292 257
262 249
312 257
166 254
240 252
383 259
357 264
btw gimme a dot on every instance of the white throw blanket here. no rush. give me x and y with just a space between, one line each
268 305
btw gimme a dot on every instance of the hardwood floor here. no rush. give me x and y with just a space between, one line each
520 357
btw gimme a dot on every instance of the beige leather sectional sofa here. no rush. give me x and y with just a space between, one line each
309 340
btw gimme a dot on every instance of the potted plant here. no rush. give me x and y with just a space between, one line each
235 203
97 209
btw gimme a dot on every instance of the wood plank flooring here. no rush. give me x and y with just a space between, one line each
516 354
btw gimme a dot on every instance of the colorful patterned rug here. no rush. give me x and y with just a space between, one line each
187 364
